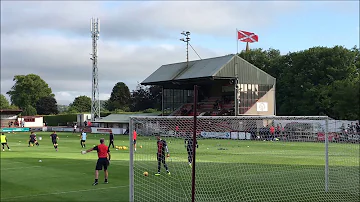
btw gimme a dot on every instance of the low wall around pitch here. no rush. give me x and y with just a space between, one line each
115 131
14 129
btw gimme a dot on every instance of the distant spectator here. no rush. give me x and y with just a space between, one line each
357 128
176 130
349 128
126 131
272 132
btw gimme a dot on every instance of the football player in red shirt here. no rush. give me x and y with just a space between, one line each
103 152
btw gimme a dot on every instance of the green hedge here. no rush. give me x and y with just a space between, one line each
103 114
62 119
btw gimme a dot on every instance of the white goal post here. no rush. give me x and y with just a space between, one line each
244 158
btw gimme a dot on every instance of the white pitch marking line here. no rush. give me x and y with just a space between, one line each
64 192
20 168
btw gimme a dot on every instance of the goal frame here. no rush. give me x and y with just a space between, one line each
196 118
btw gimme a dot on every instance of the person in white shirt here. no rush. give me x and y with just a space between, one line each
83 139
75 126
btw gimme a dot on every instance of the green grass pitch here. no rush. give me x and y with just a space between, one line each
228 170
66 175
263 171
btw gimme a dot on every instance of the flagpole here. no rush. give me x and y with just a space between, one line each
237 42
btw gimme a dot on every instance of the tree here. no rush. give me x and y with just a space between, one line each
62 108
46 106
81 104
266 60
140 99
4 103
316 81
156 97
120 97
307 82
28 89
14 107
146 98
29 111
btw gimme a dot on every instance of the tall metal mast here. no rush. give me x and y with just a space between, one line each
186 40
95 100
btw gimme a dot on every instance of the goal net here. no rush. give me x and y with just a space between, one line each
243 159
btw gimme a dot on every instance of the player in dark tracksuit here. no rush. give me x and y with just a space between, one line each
162 148
54 138
189 147
33 140
111 140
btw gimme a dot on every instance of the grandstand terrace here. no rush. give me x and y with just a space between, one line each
9 118
228 86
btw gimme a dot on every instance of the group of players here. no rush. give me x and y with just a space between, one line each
163 152
103 150
54 138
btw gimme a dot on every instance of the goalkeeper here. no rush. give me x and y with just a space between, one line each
189 147
162 148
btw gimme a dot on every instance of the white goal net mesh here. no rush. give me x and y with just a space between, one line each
244 159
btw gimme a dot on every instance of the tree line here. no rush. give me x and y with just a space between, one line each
316 81
33 95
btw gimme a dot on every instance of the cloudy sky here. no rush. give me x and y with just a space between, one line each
52 38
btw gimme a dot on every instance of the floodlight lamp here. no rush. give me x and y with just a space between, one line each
187 33
182 39
183 33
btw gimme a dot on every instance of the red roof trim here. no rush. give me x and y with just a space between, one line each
27 117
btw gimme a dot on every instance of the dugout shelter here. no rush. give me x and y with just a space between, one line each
228 86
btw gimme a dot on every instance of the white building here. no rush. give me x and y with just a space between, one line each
31 121
81 118
115 123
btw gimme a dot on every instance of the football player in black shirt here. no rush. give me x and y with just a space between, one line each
33 140
162 148
54 138
189 147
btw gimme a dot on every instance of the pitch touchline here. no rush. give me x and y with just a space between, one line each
64 192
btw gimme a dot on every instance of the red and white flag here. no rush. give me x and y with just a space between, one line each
245 36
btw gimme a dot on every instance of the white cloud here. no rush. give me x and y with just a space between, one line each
142 20
52 39
65 65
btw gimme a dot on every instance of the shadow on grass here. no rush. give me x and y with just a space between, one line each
245 182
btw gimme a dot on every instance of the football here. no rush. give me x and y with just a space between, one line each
146 173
